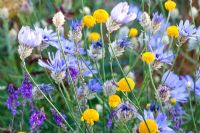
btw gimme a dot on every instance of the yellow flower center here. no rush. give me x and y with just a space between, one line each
94 36
173 101
170 5
148 57
114 101
148 105
88 21
172 31
90 115
124 87
153 127
133 32
101 16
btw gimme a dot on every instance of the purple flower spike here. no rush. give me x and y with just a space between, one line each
26 88
12 101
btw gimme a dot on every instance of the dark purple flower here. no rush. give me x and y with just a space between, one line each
154 108
73 72
97 44
12 101
26 88
57 118
37 118
111 117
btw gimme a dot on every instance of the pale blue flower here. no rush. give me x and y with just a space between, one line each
121 13
159 49
29 37
157 18
176 86
48 35
185 29
55 63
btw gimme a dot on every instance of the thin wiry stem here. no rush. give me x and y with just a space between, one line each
154 87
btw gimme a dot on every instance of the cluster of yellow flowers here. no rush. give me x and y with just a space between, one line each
125 84
99 16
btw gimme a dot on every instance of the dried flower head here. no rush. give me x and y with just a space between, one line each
58 19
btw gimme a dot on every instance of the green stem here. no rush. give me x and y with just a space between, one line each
154 87
103 51
191 109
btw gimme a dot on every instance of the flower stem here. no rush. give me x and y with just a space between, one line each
191 109
103 50
151 79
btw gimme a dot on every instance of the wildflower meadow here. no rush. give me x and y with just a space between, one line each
99 66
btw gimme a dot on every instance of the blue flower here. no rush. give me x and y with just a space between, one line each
159 49
26 88
37 118
94 85
121 13
176 113
87 68
157 18
29 37
76 25
48 35
136 10
12 101
185 29
124 42
46 88
55 63
176 86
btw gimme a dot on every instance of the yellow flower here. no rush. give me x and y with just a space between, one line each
172 101
88 21
148 105
153 127
148 57
133 32
101 16
123 86
172 31
94 36
90 115
114 101
170 5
